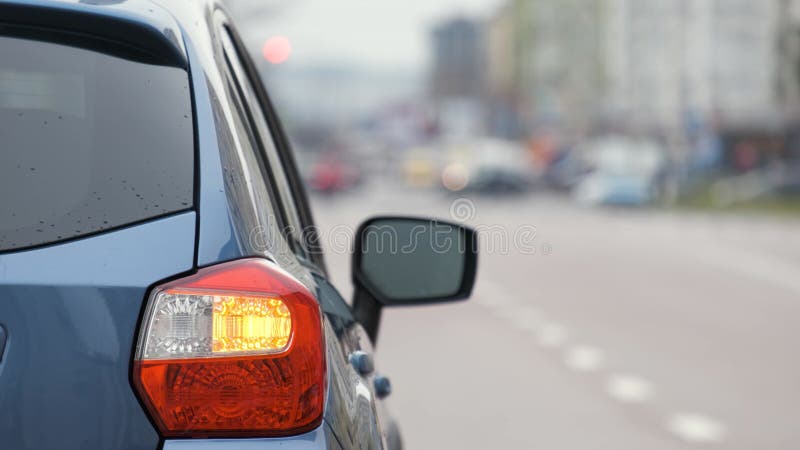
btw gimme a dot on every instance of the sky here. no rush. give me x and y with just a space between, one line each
372 34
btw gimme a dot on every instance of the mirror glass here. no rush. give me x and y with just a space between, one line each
411 260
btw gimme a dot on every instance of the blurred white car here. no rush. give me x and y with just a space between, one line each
488 166
626 172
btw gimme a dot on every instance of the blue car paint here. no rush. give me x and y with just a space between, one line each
89 293
217 240
134 256
350 410
71 312
627 190
348 413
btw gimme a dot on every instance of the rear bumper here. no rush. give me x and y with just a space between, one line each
320 439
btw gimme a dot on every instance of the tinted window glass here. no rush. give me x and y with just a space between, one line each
247 186
294 227
88 142
409 259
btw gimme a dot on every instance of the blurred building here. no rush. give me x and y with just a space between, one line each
566 75
457 77
788 76
332 94
788 81
545 62
457 59
503 104
650 63
670 60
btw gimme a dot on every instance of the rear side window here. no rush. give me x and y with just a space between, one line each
88 141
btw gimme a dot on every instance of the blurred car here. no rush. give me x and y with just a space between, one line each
492 180
565 171
159 288
625 172
615 189
332 175
419 172
488 166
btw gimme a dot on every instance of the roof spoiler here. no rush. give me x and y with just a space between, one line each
140 30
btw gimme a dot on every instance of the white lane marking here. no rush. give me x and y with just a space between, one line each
489 292
696 428
494 300
506 311
583 358
552 335
527 318
627 388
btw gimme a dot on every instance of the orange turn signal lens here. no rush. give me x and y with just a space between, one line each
250 323
234 350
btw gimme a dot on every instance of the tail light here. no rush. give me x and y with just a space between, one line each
234 350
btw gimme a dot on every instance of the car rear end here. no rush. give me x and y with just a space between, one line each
96 204
110 335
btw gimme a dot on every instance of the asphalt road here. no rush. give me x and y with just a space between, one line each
594 329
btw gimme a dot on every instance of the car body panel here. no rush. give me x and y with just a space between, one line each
71 312
229 228
320 438
106 277
217 240
615 190
353 411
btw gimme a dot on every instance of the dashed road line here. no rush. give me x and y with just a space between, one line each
552 335
584 358
628 388
528 318
696 428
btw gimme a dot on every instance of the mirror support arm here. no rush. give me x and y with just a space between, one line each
367 311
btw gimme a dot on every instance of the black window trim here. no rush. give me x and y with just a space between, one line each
268 155
244 114
311 243
264 165
146 40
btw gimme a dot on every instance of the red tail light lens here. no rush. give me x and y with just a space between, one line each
234 350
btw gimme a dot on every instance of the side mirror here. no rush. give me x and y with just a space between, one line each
401 261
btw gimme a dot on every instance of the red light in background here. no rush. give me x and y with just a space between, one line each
277 49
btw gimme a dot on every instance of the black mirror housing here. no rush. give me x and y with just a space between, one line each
404 261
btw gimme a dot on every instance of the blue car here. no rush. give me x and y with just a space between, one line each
162 283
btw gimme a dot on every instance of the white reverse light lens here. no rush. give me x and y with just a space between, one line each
206 324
